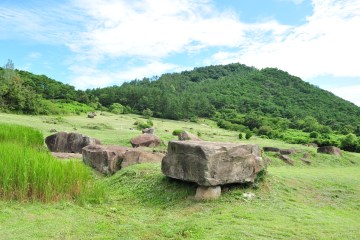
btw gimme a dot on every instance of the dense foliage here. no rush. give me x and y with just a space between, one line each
234 91
24 92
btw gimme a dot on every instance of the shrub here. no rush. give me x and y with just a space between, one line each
349 142
142 125
241 136
116 108
248 135
265 130
177 132
147 113
314 134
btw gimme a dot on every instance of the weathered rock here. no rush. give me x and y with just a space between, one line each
287 159
207 193
134 156
90 115
109 159
69 142
211 163
271 149
145 140
330 150
305 161
149 130
184 136
287 151
104 158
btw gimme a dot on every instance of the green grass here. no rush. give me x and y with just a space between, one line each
20 134
28 173
320 201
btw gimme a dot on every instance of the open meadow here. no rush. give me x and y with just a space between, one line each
317 201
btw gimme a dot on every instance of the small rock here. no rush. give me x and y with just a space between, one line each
287 159
52 130
306 155
184 136
249 195
149 130
271 149
287 151
207 193
90 115
305 161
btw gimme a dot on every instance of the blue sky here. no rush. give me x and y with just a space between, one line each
97 43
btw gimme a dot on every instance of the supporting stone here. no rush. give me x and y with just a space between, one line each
207 193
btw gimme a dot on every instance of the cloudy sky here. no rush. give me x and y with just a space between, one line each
97 43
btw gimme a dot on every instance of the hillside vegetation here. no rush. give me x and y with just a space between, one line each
317 201
268 102
235 87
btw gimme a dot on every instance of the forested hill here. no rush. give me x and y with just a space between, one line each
234 88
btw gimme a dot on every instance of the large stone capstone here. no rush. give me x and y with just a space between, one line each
109 159
69 142
212 163
145 140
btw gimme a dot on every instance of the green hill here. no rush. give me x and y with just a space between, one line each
234 88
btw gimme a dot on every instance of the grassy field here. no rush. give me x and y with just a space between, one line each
320 201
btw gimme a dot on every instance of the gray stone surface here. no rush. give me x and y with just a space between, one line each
69 142
207 193
145 140
330 150
287 159
211 163
184 136
149 130
109 159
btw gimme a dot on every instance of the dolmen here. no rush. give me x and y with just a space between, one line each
69 142
109 159
212 164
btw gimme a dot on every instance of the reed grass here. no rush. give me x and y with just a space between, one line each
29 173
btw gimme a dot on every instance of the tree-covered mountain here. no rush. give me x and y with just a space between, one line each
236 89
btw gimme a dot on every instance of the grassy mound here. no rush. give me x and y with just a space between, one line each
27 172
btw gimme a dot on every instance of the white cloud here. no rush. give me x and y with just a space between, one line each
350 93
326 44
150 31
89 77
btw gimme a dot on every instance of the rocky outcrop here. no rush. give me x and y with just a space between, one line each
330 150
69 142
212 164
145 140
185 136
109 159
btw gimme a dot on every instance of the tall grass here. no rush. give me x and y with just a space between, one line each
29 173
21 135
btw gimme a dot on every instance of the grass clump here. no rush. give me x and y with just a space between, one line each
98 126
21 135
28 173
